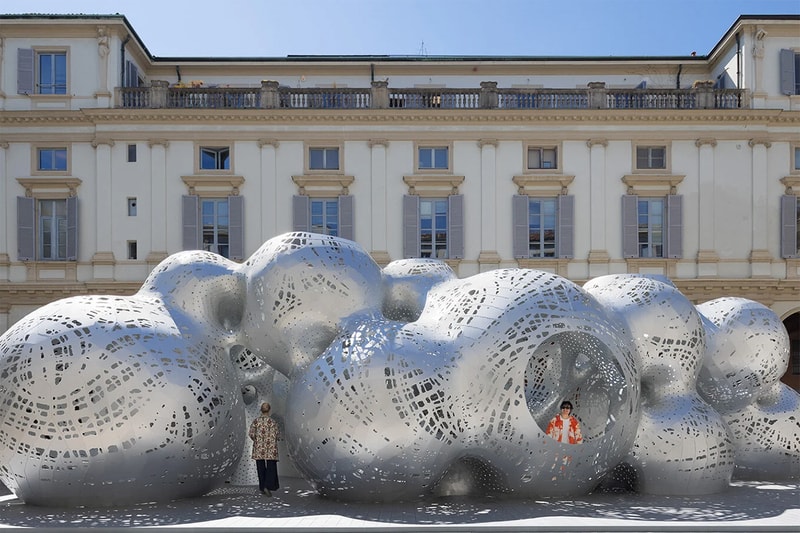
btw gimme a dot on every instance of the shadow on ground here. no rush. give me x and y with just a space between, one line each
743 501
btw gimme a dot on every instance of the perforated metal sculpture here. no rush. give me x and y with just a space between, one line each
391 383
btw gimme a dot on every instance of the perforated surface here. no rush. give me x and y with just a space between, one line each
392 383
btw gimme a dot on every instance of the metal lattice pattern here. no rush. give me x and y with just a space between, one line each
392 383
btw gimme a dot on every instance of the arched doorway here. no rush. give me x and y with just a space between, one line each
792 375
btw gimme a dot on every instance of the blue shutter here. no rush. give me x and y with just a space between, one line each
25 77
26 224
787 71
520 208
630 226
410 226
566 226
674 226
789 244
72 228
346 216
191 223
455 226
236 227
300 209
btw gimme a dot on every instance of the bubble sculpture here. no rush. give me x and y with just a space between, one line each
391 383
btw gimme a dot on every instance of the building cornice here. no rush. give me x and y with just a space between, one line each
372 116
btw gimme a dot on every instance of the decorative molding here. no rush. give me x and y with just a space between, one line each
652 183
101 141
381 257
337 184
792 184
539 184
705 142
593 142
598 257
60 184
275 143
487 142
4 145
667 266
378 142
431 182
103 258
213 183
753 142
158 142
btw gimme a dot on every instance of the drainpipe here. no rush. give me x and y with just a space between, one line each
178 72
122 60
678 77
371 72
738 61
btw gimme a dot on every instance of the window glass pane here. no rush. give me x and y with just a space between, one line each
549 158
797 157
534 158
332 159
60 73
441 158
315 158
207 158
52 230
425 158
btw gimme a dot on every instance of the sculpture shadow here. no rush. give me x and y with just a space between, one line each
744 501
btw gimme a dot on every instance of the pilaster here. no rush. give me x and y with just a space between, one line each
269 188
158 201
488 258
103 257
599 260
707 257
378 240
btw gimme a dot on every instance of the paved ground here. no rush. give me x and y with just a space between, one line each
745 507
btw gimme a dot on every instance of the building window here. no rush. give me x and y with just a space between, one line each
797 158
52 230
651 157
433 227
132 252
542 158
131 153
789 72
215 225
325 216
132 207
651 227
790 226
52 72
323 158
215 158
433 158
543 227
51 159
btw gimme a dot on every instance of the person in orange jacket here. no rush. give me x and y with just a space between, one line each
564 427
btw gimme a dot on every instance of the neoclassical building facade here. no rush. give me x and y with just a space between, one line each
112 158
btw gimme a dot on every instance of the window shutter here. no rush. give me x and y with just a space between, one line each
25 61
789 242
26 222
674 226
630 226
566 226
346 216
410 226
455 226
191 222
72 228
787 71
300 208
519 222
236 228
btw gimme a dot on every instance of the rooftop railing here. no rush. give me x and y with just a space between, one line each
271 96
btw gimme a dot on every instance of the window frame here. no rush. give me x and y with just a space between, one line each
419 146
325 147
556 148
650 200
542 216
54 53
216 146
666 169
36 149
324 203
215 227
49 189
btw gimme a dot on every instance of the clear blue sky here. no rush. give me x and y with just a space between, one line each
277 28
